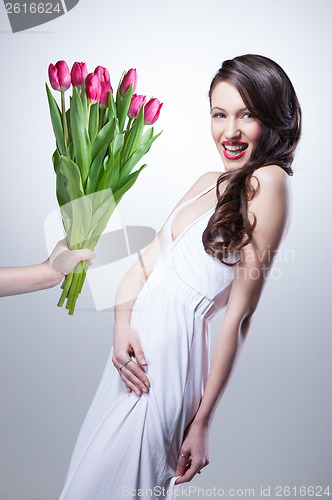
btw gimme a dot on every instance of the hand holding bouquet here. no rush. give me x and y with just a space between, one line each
99 141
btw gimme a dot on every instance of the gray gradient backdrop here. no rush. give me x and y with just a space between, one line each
273 424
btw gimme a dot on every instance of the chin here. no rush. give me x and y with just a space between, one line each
229 165
233 164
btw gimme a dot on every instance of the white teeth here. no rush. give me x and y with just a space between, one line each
235 148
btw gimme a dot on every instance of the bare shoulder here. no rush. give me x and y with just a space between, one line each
203 182
271 204
270 177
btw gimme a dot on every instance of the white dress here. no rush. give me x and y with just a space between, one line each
129 444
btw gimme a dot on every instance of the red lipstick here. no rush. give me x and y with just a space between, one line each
234 150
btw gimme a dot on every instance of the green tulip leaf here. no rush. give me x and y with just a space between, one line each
56 158
70 150
84 101
117 144
72 177
103 139
98 151
112 169
135 158
110 177
111 109
105 162
81 140
129 183
93 121
133 140
68 125
56 120
101 215
95 173
147 135
122 105
61 190
76 216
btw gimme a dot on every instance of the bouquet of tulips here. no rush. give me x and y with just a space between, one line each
99 140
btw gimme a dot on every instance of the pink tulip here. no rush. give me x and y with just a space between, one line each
103 74
136 103
152 111
78 73
105 92
130 78
92 87
59 76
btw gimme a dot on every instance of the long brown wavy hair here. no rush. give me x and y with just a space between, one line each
270 97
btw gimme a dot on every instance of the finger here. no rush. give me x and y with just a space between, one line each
183 462
84 254
132 386
190 472
131 371
139 354
61 245
127 372
136 374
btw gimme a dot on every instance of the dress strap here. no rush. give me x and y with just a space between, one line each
187 202
167 233
205 191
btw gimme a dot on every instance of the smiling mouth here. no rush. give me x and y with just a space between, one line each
234 150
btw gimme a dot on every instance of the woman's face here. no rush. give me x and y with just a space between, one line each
234 130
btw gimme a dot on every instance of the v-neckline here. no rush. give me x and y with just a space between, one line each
184 231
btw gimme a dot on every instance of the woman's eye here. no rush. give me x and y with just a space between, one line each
218 115
248 116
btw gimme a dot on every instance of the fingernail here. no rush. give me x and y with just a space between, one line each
143 361
144 389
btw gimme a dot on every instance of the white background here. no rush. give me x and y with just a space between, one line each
273 424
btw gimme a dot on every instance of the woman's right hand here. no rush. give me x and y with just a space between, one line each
126 343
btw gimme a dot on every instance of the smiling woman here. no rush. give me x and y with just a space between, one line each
235 130
254 110
149 423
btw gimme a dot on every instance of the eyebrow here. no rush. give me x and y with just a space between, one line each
221 109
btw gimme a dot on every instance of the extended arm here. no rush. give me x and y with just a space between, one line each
271 207
23 279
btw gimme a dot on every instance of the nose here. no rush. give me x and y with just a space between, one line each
232 131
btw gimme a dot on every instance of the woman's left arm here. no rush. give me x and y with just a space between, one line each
271 206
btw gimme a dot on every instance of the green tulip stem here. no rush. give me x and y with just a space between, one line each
67 283
64 119
72 295
85 265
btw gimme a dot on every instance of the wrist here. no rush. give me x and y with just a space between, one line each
50 276
201 423
120 326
